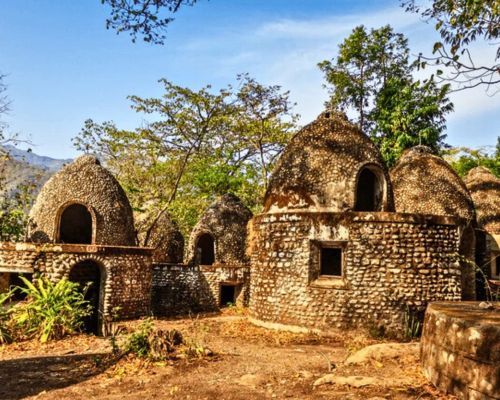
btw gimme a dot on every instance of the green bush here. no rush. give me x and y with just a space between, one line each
138 341
5 329
51 310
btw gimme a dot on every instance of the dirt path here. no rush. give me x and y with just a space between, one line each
248 363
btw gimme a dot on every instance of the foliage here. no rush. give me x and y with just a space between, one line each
5 329
51 310
143 17
372 77
412 324
138 342
200 144
460 23
463 159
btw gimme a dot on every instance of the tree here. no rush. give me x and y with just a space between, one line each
146 18
463 159
460 23
199 144
372 79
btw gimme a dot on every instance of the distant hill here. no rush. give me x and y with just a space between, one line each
26 167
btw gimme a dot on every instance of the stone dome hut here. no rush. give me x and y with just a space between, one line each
166 239
424 183
330 165
82 204
484 188
328 252
220 235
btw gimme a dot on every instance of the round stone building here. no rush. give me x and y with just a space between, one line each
166 239
329 250
82 204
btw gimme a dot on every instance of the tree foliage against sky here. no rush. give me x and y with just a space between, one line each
463 159
197 145
371 78
148 19
460 23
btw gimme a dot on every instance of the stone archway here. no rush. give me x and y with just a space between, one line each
370 189
82 273
205 249
75 225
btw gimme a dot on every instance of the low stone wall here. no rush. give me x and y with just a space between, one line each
181 289
461 349
392 264
125 271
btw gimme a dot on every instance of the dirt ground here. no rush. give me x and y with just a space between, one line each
248 362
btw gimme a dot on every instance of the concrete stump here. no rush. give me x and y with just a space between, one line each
460 349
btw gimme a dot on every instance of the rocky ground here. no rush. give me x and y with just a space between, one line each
242 361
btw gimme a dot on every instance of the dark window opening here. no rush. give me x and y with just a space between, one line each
206 249
76 225
331 261
227 295
497 265
368 192
85 273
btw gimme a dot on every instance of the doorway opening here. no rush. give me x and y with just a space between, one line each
205 247
228 294
75 225
369 190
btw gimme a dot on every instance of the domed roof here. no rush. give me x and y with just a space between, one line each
86 183
320 166
167 240
424 183
484 188
226 222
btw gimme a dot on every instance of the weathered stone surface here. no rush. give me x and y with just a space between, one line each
320 166
461 349
167 240
226 221
382 351
86 182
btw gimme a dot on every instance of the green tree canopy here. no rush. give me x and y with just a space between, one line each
197 145
371 78
463 159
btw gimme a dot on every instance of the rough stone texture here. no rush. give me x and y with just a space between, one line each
84 181
167 240
392 263
319 168
484 188
182 289
125 271
226 221
426 184
461 349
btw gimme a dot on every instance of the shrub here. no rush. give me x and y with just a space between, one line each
5 330
138 342
51 310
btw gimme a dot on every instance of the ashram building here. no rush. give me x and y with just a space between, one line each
340 242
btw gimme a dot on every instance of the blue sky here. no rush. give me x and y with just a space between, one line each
63 66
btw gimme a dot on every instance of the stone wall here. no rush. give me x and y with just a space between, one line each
391 263
181 289
125 271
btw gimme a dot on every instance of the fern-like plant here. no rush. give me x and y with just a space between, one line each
5 330
51 310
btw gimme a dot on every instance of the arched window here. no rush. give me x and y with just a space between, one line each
369 190
75 225
205 248
88 273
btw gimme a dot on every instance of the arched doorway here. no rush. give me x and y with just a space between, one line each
205 248
75 225
369 190
83 273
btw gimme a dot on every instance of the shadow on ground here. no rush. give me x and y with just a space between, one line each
23 377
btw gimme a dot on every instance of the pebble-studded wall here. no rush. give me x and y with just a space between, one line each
391 264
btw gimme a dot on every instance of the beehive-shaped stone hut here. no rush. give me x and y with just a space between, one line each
424 183
484 188
327 252
82 204
220 234
166 239
330 165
